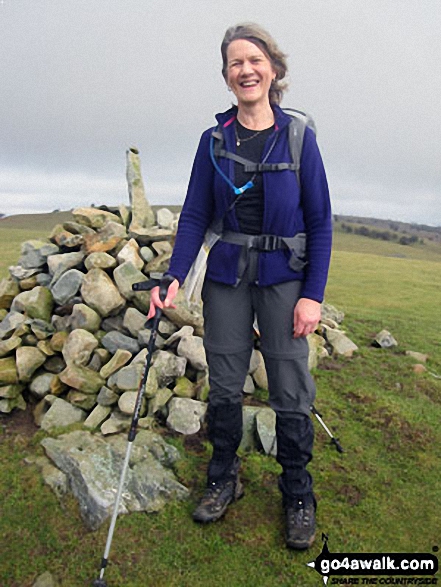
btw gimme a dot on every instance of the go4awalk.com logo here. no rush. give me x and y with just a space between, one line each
378 569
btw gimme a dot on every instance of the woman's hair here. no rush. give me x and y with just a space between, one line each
262 39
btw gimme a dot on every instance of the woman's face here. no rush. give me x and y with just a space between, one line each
249 72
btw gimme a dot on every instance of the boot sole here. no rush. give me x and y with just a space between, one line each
201 519
300 544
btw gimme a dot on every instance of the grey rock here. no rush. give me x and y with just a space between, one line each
8 405
79 347
28 360
183 332
45 580
8 290
53 477
19 273
340 343
85 401
36 303
85 318
59 264
119 359
9 345
125 276
100 293
99 414
157 405
165 218
94 217
114 323
40 386
61 413
315 344
93 466
266 430
185 415
100 261
259 374
134 321
144 338
67 286
41 329
113 341
76 228
168 367
130 253
10 323
116 423
385 340
44 279
107 397
332 313
142 213
11 391
146 253
249 441
127 403
81 378
249 388
192 348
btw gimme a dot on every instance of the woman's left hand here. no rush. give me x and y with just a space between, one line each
307 314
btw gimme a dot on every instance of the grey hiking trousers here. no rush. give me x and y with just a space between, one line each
229 314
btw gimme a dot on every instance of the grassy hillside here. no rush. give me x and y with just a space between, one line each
382 495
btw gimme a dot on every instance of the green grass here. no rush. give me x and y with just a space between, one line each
382 495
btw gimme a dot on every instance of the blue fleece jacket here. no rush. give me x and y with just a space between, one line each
287 211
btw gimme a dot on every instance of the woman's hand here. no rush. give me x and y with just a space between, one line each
155 302
307 314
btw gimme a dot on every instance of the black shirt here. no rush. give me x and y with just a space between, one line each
250 205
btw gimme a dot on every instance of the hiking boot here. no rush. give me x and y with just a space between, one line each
217 498
300 524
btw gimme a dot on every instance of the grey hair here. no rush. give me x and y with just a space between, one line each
262 39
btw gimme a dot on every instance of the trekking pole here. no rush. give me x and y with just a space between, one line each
334 440
144 285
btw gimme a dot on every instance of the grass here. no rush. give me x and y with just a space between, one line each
382 495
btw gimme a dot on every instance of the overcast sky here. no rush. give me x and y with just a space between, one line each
83 80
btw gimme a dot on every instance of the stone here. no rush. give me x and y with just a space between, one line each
79 347
58 341
76 228
11 391
114 323
40 386
248 442
68 240
185 415
8 290
419 368
55 364
340 343
159 264
85 318
266 430
146 235
61 413
105 239
129 378
7 405
130 253
36 303
144 338
127 402
167 328
248 387
93 467
134 321
100 261
183 332
18 273
45 580
384 340
85 401
332 313
168 367
116 423
192 348
125 276
119 359
67 286
142 213
29 283
94 217
53 477
182 315
9 345
44 279
28 360
157 405
113 341
146 253
57 386
259 374
315 344
107 397
97 416
100 293
420 357
81 379
124 213
10 323
41 329
184 388
59 264
165 218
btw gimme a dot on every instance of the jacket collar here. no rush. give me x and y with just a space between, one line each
281 119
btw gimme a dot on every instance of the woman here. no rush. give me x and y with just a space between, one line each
250 275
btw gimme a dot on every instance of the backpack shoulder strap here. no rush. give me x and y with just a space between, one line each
299 121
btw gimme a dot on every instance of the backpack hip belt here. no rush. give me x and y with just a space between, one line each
264 243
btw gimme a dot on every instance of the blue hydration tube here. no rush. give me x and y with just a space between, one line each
237 191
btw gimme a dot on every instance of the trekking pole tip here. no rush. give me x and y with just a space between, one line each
337 445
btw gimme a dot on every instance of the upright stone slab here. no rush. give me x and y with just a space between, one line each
142 213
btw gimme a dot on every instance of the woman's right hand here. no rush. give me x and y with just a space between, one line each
155 301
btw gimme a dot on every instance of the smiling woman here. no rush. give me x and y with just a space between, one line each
253 273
